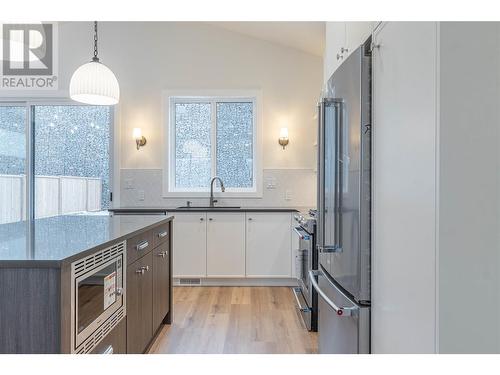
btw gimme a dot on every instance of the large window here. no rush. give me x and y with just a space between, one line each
13 191
69 164
212 136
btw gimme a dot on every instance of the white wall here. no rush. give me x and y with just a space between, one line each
148 57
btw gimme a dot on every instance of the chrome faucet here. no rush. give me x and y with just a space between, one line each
223 189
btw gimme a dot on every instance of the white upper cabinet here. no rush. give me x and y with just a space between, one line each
225 244
335 41
342 38
190 254
268 245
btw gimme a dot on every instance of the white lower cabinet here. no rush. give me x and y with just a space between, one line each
226 244
268 245
190 244
232 245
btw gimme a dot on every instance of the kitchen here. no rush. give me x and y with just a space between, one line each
251 188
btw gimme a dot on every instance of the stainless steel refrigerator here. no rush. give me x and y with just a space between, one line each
344 196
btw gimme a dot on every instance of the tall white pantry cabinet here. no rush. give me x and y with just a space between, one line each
436 173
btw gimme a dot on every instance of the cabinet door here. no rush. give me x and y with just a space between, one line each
226 244
404 152
161 283
139 304
190 240
268 245
335 40
115 342
356 34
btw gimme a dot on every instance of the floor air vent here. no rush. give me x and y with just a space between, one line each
189 281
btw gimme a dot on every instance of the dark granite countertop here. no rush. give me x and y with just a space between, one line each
66 238
160 210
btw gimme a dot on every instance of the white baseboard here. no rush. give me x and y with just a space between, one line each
238 282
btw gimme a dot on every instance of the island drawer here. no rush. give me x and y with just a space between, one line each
139 246
160 234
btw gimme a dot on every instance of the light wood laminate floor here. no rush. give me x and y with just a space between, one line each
217 320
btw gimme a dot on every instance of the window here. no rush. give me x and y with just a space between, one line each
212 136
70 159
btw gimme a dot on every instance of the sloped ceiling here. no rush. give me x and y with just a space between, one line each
308 37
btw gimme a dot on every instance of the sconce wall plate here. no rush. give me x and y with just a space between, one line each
140 142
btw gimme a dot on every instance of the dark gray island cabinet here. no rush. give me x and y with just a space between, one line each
85 284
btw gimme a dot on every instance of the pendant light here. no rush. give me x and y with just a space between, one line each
94 83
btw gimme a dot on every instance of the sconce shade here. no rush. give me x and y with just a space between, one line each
94 83
137 133
284 133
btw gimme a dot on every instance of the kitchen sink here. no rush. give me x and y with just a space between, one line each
209 208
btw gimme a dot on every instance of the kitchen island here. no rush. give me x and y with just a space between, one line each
84 283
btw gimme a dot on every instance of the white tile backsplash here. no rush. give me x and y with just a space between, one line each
288 188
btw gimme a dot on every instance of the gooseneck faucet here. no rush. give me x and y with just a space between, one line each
223 189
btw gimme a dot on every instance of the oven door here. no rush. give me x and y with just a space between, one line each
303 263
98 294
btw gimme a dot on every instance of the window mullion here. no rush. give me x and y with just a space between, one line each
213 133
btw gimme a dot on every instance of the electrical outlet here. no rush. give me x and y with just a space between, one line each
140 195
129 183
288 195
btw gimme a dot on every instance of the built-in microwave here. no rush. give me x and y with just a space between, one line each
98 296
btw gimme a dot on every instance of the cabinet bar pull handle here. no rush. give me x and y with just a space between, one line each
142 245
141 271
162 234
162 254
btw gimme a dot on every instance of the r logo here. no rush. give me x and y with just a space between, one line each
27 49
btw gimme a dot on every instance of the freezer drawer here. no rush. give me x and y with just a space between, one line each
343 325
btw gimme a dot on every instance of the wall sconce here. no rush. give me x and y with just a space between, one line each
283 139
139 138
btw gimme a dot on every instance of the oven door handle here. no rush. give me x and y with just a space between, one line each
340 311
302 233
296 292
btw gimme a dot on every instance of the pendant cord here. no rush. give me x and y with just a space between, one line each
95 58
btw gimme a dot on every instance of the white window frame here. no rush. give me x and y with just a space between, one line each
170 98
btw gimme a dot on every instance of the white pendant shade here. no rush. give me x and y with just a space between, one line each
94 83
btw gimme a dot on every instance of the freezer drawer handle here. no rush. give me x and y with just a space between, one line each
341 311
329 249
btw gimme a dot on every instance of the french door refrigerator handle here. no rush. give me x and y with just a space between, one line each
340 311
321 246
339 175
321 173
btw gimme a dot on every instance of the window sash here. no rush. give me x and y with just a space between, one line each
213 100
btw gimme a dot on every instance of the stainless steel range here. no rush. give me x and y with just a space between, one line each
306 259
